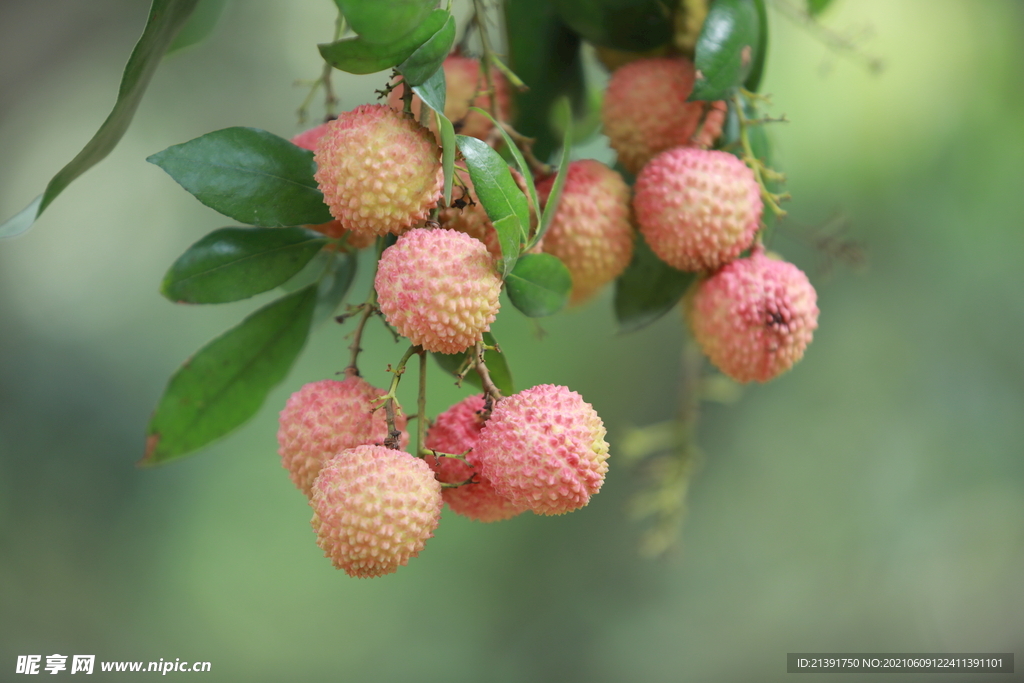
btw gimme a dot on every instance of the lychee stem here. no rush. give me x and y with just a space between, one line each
390 399
485 376
421 406
369 307
330 99
756 165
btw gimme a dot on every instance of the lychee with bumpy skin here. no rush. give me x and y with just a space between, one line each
465 87
438 288
324 418
543 449
373 509
456 431
645 111
379 170
754 317
698 209
590 231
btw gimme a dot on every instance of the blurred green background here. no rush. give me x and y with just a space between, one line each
870 500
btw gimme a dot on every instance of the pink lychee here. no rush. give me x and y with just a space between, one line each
455 432
754 317
438 288
379 170
645 110
373 509
465 87
543 449
590 232
698 209
324 418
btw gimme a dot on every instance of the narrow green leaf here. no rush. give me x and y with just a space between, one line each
539 285
447 152
816 7
726 48
753 81
426 60
384 22
250 175
361 56
497 367
166 17
502 199
433 91
648 289
520 161
236 263
200 25
226 381
334 285
555 196
633 25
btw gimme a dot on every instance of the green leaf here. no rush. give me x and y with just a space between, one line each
426 60
555 196
226 381
633 25
726 48
361 56
648 289
539 285
753 81
497 367
200 25
502 199
166 17
432 91
518 158
250 175
334 285
236 263
447 153
384 22
545 53
816 7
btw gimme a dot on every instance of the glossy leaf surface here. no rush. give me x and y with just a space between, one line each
726 48
648 289
361 56
426 60
539 285
384 22
236 263
250 175
226 381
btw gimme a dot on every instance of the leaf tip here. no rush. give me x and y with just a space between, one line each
149 457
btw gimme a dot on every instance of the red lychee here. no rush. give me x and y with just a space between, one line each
543 449
324 418
698 209
373 509
754 317
456 431
645 110
379 170
438 288
590 232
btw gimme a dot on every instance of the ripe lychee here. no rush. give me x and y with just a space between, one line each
754 317
373 509
379 170
590 231
465 87
438 288
324 418
698 209
543 449
645 110
456 431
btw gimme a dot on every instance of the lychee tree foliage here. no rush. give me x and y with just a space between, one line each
459 180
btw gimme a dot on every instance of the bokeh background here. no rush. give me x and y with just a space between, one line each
870 500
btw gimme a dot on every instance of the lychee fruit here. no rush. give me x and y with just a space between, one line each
324 418
379 170
645 110
543 449
456 431
754 317
465 87
590 231
698 209
373 509
439 288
